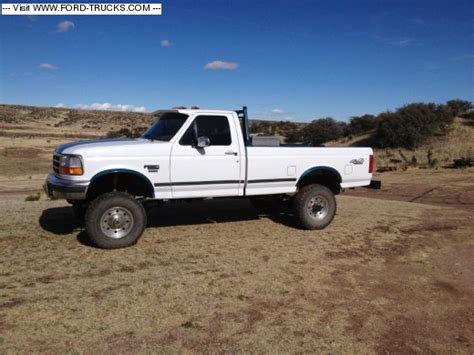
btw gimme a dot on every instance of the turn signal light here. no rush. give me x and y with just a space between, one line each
65 170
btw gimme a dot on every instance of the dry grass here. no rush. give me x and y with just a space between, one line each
437 152
217 277
459 142
30 120
225 279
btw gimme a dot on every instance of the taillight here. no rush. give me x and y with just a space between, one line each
371 164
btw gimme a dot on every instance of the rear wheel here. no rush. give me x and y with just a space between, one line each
314 207
115 220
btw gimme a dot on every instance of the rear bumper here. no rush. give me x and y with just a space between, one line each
374 184
59 188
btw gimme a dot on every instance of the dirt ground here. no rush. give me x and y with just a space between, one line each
393 273
213 277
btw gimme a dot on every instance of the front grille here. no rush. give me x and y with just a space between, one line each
56 163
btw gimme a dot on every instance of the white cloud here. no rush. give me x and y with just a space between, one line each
221 65
403 42
60 105
106 106
165 43
65 26
277 111
47 66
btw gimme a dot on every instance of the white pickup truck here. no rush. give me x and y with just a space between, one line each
196 154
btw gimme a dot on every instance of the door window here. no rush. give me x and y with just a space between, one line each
216 128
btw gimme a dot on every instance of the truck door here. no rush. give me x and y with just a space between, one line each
213 170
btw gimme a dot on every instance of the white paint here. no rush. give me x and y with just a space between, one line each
186 164
347 169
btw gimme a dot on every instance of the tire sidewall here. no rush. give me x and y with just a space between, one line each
302 200
104 202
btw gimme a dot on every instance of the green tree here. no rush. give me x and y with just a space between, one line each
322 130
459 107
361 124
411 125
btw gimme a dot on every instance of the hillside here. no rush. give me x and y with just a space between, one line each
438 151
16 120
27 129
43 121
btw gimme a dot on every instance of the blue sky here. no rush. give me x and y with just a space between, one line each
285 59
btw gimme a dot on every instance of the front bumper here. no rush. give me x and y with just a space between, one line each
59 188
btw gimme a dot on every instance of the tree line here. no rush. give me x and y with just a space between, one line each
407 127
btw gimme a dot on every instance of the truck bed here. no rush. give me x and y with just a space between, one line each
277 169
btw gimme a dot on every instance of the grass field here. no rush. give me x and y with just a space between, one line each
394 272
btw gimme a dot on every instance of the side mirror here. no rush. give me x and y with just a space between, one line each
203 142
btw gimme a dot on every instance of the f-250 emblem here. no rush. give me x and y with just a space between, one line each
357 161
152 168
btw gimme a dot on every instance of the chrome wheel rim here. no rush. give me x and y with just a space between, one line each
318 207
116 222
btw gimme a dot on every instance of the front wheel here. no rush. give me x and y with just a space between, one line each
115 220
314 207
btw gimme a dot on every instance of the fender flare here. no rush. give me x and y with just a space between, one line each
327 169
150 187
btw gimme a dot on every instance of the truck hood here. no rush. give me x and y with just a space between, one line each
115 147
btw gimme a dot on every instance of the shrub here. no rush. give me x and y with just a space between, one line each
321 131
294 136
361 124
468 115
126 132
459 107
411 125
462 163
34 197
268 128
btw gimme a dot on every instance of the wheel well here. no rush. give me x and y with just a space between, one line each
135 184
328 177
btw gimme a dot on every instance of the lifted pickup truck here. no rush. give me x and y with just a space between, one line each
196 154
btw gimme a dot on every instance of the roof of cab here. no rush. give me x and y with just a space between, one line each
188 111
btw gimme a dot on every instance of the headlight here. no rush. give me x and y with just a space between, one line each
70 165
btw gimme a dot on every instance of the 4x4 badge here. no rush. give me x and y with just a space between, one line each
357 161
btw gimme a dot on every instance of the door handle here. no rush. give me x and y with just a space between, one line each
230 152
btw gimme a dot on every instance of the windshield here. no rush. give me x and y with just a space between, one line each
166 126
